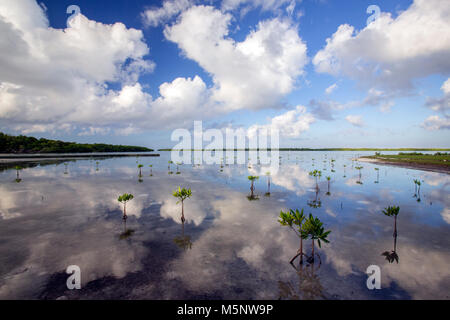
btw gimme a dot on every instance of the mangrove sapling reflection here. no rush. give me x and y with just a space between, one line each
392 256
182 194
183 241
309 286
316 203
126 232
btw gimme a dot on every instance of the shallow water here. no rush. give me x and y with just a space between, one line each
229 247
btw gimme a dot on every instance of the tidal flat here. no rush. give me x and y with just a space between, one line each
66 213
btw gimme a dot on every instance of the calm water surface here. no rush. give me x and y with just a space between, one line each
229 247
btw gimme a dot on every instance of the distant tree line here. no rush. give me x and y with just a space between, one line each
24 144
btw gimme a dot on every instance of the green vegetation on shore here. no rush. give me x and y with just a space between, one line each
319 149
439 158
24 144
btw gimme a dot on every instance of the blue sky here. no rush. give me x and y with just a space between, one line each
131 72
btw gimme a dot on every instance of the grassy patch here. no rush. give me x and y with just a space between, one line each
442 159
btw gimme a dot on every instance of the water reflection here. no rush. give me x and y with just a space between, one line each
307 287
183 241
232 248
392 256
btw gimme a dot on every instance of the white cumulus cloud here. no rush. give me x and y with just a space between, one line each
355 120
255 73
391 52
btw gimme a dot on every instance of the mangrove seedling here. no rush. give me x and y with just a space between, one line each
140 169
359 169
313 228
178 169
291 219
378 175
252 187
417 185
182 194
151 170
268 184
18 168
316 174
392 212
124 199
328 180
168 167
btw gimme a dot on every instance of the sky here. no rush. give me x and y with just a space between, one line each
324 73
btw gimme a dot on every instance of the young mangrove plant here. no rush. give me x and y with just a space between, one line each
65 168
378 175
252 196
268 184
178 168
392 212
291 219
182 194
18 168
168 168
417 185
151 170
140 170
316 174
328 180
124 199
344 171
96 165
313 228
359 169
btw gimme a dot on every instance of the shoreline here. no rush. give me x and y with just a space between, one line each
20 158
409 165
